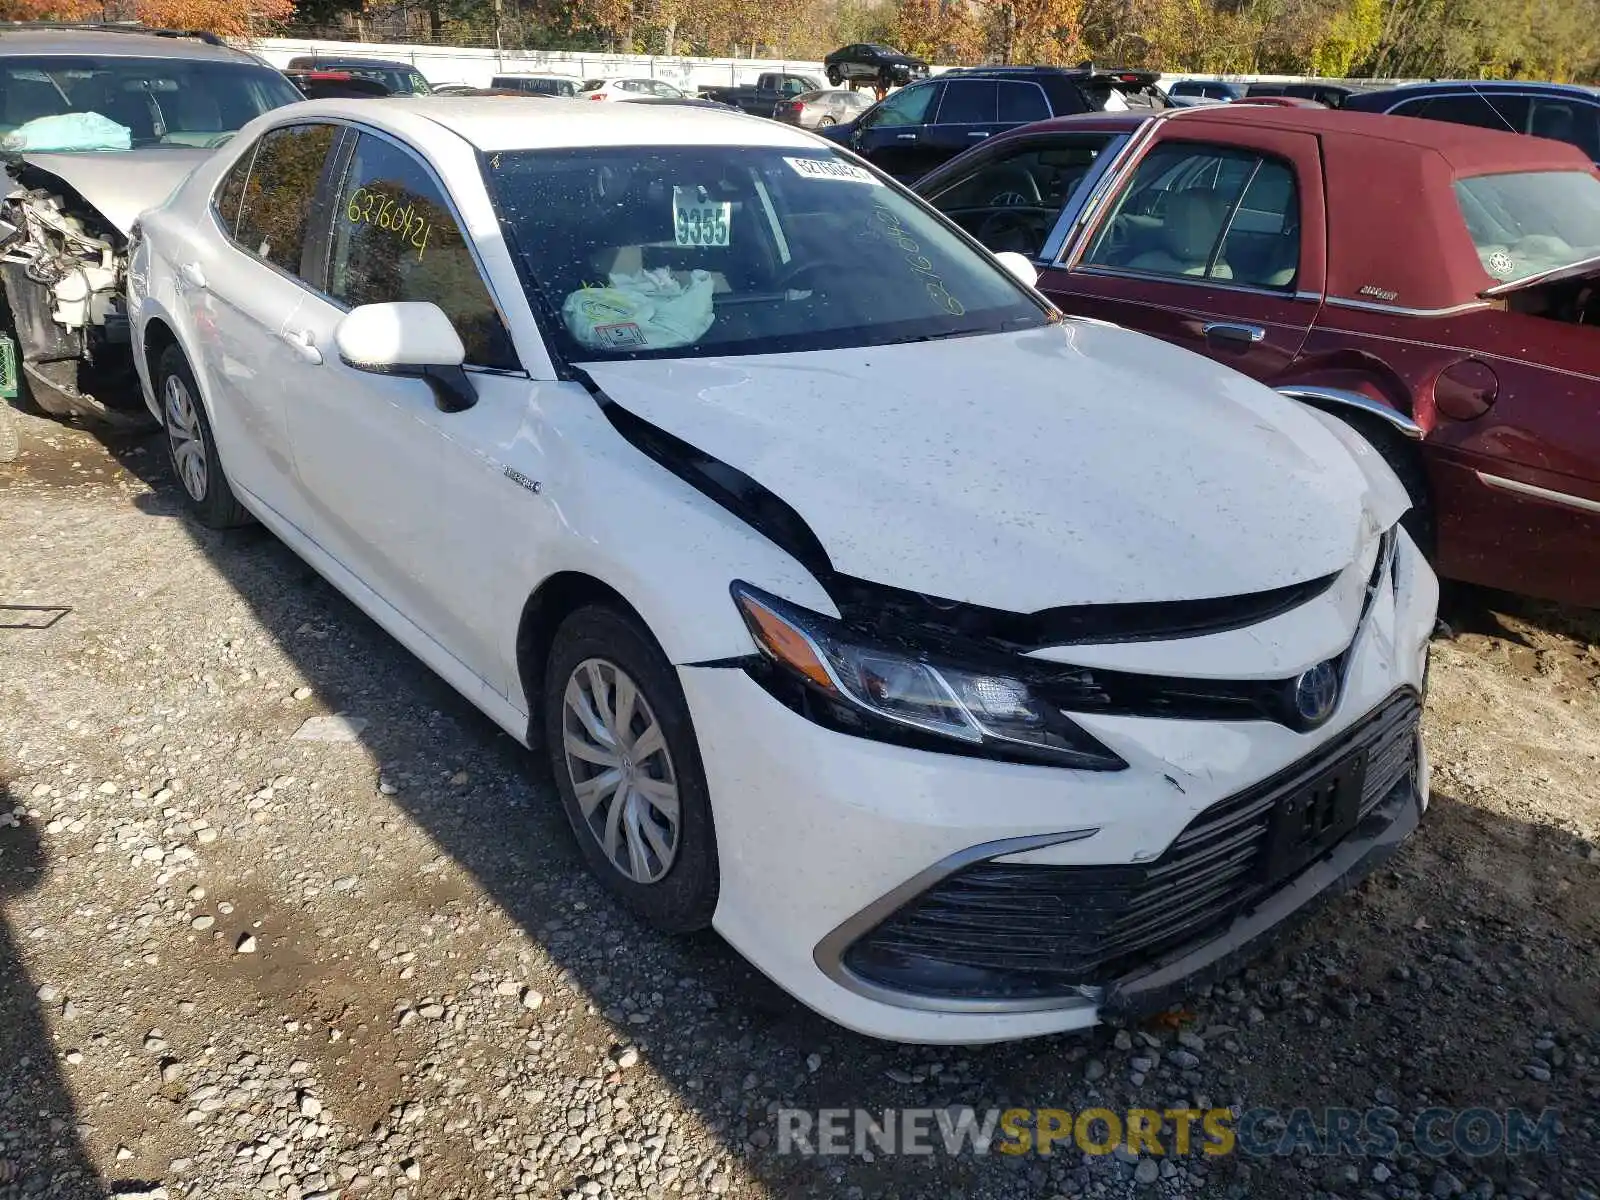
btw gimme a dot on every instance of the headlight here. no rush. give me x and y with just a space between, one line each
859 685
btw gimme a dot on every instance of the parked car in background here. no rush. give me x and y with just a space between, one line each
1323 92
1563 112
402 79
1447 316
818 110
686 102
870 63
454 88
762 97
927 123
165 100
629 89
330 85
537 84
1209 89
1191 668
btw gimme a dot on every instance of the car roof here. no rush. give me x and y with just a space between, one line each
354 60
552 123
1478 85
23 40
533 75
1469 149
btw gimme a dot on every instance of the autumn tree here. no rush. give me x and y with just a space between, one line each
228 18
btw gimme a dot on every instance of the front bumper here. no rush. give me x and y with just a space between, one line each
822 836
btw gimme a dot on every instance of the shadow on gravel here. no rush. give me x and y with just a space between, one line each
1439 982
40 1154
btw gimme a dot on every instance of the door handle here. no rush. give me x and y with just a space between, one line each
1228 331
302 343
906 137
978 133
191 274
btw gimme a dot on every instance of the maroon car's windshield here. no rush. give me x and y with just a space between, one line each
1531 223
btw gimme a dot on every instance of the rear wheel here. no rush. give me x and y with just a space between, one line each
826 121
625 759
835 76
191 446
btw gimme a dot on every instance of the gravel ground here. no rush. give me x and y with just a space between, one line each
282 916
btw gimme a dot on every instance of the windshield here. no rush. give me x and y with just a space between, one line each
677 251
60 103
1533 222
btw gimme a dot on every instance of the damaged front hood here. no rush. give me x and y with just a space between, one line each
1077 464
121 184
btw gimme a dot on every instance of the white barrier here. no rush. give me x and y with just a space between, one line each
476 67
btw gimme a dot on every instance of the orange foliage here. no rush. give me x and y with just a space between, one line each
230 18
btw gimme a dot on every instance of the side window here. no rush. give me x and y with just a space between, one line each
1011 201
1566 120
230 196
1460 110
969 102
909 106
1022 102
277 196
1208 212
394 238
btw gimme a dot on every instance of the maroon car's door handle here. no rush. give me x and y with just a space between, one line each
1227 331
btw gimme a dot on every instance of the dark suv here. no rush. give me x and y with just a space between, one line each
1564 112
931 121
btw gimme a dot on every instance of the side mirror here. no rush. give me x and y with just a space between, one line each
1019 266
412 339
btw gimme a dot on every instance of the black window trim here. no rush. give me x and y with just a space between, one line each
322 238
1077 265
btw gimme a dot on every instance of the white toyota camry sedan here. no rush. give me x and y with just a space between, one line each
973 670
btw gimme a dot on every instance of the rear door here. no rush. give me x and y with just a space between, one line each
241 295
968 113
1214 245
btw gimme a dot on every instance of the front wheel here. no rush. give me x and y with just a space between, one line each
835 76
192 447
625 759
1406 463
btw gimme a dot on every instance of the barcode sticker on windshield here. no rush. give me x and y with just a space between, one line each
697 221
830 168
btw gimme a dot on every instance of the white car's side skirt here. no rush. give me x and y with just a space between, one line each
450 668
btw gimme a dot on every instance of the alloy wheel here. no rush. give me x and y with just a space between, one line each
188 442
621 770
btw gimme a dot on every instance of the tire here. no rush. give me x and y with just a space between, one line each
10 439
191 446
824 122
835 76
665 874
1406 463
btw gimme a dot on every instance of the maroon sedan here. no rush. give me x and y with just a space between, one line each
1429 283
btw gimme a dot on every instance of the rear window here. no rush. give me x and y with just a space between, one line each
1531 223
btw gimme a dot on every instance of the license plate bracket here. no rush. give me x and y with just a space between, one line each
1315 817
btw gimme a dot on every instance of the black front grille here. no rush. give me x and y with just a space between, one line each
1007 929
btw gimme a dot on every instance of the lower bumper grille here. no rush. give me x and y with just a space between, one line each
997 930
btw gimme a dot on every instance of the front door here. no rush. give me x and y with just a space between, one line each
1215 247
891 135
411 499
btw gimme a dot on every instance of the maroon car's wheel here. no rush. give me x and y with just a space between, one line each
1406 463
